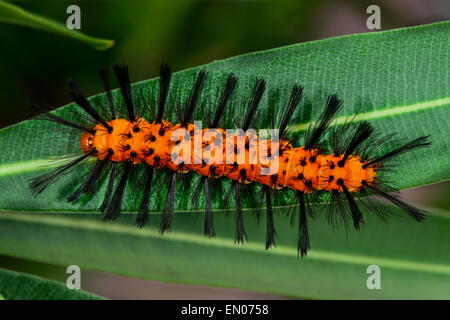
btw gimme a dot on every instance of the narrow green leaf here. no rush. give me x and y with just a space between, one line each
397 79
412 257
10 13
19 286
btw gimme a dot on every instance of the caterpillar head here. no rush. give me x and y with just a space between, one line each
87 142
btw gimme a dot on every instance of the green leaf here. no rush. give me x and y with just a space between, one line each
413 257
10 13
398 79
18 286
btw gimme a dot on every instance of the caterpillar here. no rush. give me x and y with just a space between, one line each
346 163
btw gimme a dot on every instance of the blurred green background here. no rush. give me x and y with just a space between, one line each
35 65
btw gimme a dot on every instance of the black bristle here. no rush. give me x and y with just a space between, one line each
115 205
223 100
374 204
123 79
194 97
90 184
44 114
167 214
105 78
270 228
257 93
420 142
363 132
39 184
315 131
197 191
143 212
303 242
80 98
208 223
240 230
251 199
109 188
410 210
288 110
357 216
337 211
204 184
165 75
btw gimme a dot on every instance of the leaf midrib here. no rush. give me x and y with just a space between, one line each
320 255
40 164
383 113
430 211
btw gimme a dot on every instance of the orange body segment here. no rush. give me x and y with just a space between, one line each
214 154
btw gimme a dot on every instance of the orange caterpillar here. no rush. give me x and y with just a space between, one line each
350 170
299 169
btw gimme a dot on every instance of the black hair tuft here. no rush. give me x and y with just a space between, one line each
123 79
80 98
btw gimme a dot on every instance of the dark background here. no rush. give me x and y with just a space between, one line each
35 65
